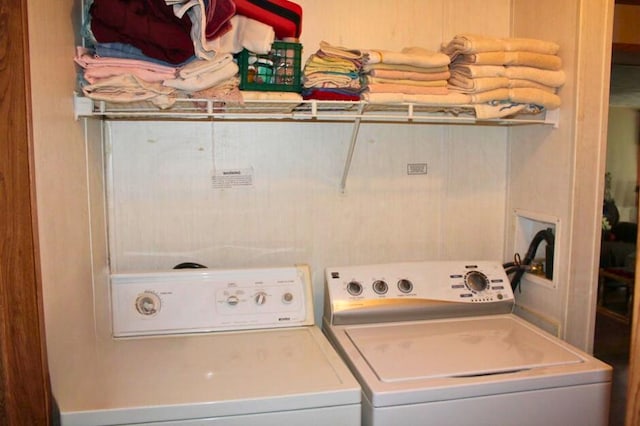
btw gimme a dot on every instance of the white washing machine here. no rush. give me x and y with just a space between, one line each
436 343
214 347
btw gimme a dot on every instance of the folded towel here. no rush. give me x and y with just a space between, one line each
475 71
534 96
410 75
537 60
482 84
200 66
422 83
403 67
129 88
489 96
433 100
204 80
86 58
319 79
405 88
316 63
271 96
473 43
340 52
546 77
409 56
93 74
515 83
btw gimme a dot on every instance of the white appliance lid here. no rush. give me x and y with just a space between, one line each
210 375
463 347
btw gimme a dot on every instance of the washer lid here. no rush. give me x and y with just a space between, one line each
465 347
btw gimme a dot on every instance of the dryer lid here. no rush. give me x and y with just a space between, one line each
464 347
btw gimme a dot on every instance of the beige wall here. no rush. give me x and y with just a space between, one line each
458 210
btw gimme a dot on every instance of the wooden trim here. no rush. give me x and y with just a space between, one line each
630 2
25 395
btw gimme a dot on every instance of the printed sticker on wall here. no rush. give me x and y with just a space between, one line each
232 178
417 168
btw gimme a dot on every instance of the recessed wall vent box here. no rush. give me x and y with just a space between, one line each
527 225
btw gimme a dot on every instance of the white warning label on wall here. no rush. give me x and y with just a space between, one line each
232 178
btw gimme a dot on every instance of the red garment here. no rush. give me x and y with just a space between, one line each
219 12
283 15
149 25
326 95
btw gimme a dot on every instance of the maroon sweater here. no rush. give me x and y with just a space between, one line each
149 25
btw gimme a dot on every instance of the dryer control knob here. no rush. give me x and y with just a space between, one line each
260 298
233 300
148 303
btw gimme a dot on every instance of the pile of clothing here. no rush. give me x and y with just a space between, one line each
159 50
411 75
503 76
333 73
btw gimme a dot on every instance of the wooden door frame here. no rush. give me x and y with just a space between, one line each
25 395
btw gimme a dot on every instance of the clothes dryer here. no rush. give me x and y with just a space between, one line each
212 347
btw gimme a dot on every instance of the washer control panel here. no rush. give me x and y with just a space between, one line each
432 288
210 300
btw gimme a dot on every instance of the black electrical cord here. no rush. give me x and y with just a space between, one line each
519 267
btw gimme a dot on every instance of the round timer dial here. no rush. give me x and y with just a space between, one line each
148 303
476 281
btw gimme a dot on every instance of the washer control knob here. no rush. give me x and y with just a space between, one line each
405 286
287 297
260 298
476 281
354 288
380 286
233 300
148 303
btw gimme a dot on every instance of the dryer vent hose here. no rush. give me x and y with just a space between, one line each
518 267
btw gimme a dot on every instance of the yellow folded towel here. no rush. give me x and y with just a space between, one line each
517 83
546 77
410 75
424 83
404 67
534 96
410 56
471 85
341 52
490 95
474 43
537 60
476 71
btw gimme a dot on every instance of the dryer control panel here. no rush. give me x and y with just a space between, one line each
200 300
416 290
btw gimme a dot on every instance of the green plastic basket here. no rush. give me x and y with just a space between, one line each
277 71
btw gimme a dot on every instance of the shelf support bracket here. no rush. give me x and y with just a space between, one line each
352 146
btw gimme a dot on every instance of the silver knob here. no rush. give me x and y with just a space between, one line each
233 300
260 298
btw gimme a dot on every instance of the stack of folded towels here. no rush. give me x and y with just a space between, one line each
406 75
521 71
333 73
173 48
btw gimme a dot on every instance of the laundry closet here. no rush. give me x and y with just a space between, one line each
140 195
